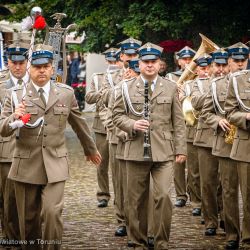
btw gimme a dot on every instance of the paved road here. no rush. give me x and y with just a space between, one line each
87 227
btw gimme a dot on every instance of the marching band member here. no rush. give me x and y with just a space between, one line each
148 116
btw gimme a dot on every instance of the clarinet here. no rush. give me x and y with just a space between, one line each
146 143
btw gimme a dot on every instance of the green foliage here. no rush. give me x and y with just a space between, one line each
107 22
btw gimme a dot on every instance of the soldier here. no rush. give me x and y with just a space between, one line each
128 50
163 143
213 115
208 164
237 113
17 64
117 138
40 167
93 96
184 56
193 176
163 67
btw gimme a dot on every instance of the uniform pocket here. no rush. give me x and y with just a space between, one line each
31 110
22 153
138 103
242 134
61 152
61 113
164 104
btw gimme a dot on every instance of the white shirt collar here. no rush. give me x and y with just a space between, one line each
15 80
144 80
46 89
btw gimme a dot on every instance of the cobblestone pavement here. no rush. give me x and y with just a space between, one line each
87 227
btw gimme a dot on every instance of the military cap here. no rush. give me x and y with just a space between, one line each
110 54
18 51
130 46
185 52
204 60
220 56
238 51
42 54
150 51
117 54
134 65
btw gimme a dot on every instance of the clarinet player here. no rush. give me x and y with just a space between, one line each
155 130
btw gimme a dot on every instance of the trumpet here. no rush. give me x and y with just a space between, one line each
229 135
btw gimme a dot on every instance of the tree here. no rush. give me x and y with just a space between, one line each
107 22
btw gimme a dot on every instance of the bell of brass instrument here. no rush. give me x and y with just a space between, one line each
190 115
207 46
146 143
229 135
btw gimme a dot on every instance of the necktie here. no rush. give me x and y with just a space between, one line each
150 91
41 93
20 82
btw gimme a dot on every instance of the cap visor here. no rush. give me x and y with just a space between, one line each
149 57
130 51
239 57
40 61
112 59
186 56
203 64
220 61
17 58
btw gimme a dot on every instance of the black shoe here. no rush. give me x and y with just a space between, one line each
130 244
210 232
180 203
232 244
202 221
222 225
151 243
121 231
102 203
196 212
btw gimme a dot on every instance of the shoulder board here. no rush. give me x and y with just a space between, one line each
167 79
99 73
188 81
129 80
238 73
202 79
4 77
177 73
113 71
217 78
62 85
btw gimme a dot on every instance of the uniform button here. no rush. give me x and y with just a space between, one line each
44 146
151 129
45 124
44 135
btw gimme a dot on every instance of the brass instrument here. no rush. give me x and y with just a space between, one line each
146 143
190 115
207 46
229 135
